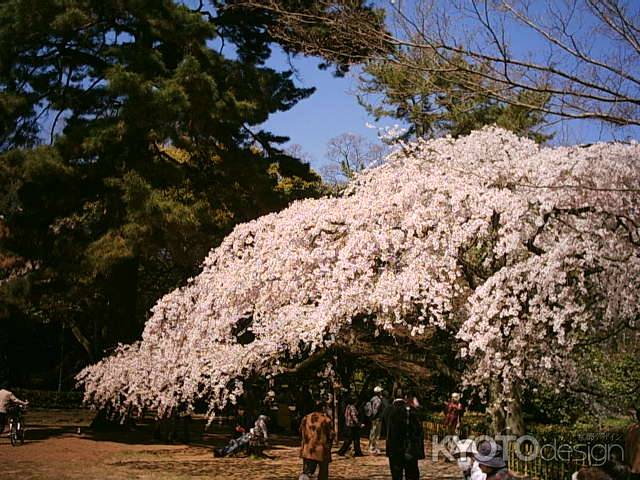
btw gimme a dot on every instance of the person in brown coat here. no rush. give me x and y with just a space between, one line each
316 430
632 447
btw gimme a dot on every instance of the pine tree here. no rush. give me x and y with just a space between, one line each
130 145
434 101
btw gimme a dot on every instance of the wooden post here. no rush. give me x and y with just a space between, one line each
61 358
335 385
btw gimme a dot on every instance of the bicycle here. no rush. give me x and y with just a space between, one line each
16 425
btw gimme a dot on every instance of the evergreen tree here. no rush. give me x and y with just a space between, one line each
434 101
129 147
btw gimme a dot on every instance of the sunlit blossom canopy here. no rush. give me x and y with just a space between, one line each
522 251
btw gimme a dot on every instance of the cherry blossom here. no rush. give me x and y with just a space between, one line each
524 252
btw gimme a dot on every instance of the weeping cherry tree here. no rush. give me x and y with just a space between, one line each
526 253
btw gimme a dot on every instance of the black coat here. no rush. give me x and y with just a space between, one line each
245 421
399 433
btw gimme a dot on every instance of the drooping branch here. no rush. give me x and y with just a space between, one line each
376 273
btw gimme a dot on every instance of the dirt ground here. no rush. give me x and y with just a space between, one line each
55 450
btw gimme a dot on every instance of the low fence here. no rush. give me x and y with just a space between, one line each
539 468
436 427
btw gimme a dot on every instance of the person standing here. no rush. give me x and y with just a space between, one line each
304 405
316 432
405 441
386 408
453 411
271 407
353 425
374 409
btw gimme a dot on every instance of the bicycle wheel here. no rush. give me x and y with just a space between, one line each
21 433
13 434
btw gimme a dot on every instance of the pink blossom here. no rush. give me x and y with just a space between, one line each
522 251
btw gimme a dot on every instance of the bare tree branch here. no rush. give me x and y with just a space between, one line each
586 53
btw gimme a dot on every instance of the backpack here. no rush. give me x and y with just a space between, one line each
351 416
371 408
368 409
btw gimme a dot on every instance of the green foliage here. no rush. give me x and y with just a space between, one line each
613 373
557 408
452 101
578 434
49 399
153 153
608 385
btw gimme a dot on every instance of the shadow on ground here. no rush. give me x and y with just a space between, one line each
56 450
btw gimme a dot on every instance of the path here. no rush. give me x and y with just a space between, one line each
58 452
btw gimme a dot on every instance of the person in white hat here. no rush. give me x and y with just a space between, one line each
373 410
453 411
464 453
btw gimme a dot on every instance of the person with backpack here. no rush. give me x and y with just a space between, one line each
353 426
373 410
405 441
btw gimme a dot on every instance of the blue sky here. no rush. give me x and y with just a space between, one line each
329 112
333 108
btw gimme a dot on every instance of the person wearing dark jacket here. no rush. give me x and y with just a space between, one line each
244 421
405 441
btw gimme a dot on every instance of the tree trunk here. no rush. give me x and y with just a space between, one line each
505 412
335 389
61 358
496 409
84 341
515 421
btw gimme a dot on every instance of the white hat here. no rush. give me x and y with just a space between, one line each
455 396
377 389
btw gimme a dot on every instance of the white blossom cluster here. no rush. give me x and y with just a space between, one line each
524 252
